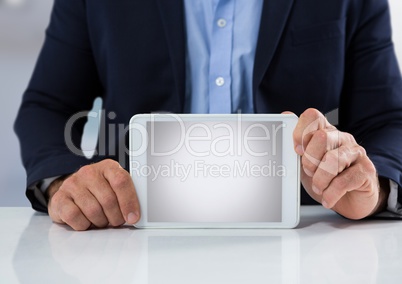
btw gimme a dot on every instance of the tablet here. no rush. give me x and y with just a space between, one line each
215 171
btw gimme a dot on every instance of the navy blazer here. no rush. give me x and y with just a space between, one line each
332 54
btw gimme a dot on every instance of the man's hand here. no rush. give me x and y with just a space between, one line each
99 195
336 171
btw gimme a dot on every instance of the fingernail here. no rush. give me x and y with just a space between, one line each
316 190
325 204
132 218
299 150
308 172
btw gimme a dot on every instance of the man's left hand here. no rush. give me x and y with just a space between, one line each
336 171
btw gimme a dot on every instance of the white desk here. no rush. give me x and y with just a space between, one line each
325 248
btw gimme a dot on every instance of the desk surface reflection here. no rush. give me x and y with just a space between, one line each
324 248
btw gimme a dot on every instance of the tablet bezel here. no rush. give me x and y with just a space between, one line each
290 183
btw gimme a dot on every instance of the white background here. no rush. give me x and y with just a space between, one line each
22 25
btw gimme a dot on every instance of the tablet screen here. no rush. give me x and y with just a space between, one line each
214 171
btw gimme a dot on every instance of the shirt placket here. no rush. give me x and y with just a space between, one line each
220 58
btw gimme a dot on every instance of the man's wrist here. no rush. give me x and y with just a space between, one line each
54 187
383 194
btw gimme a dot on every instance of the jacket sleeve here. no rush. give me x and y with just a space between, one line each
371 104
64 84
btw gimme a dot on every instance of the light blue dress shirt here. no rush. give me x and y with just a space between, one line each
221 43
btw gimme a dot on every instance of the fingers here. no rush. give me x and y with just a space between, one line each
336 171
329 151
309 122
326 157
333 163
100 194
341 171
351 180
69 213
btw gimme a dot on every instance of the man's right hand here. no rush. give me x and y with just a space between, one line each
98 195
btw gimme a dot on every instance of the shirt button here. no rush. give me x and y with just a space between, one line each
220 81
221 23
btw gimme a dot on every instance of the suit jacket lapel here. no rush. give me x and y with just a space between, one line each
273 21
172 14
